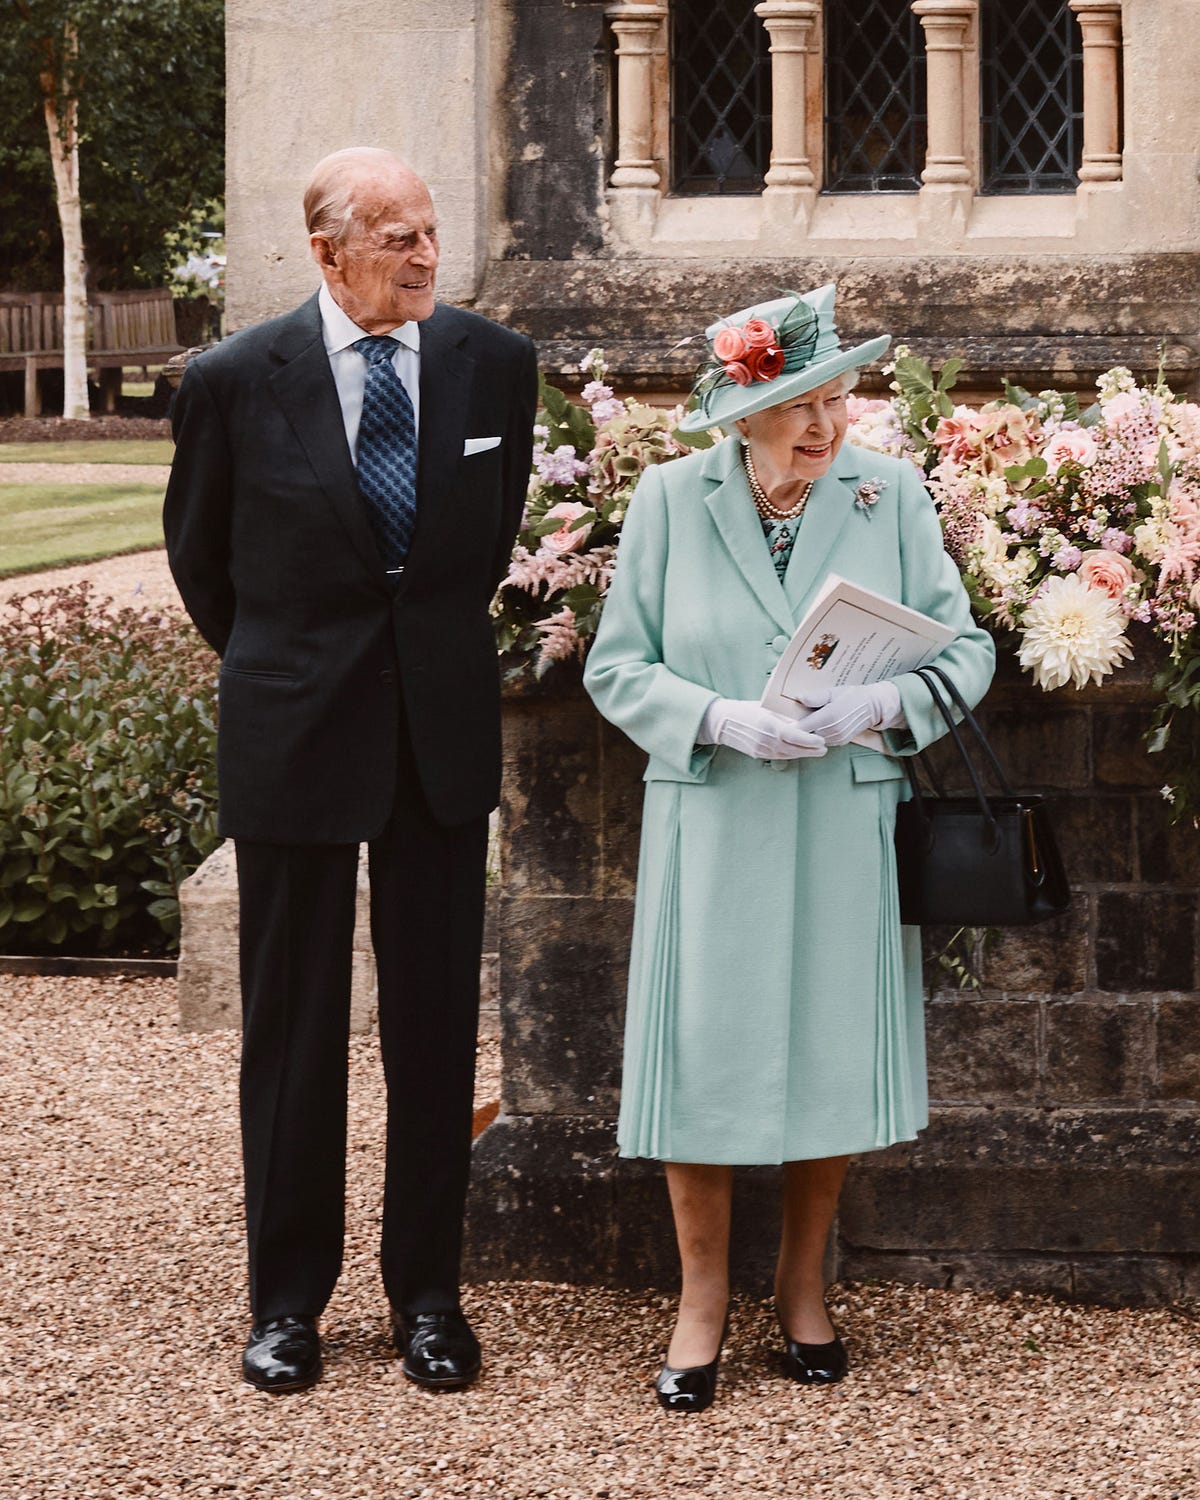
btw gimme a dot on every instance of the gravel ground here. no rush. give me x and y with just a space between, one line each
121 1322
133 578
85 474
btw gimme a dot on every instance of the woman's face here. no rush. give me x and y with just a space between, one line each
798 439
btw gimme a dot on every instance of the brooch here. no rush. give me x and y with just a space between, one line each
867 494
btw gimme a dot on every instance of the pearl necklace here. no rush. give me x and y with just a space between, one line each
762 504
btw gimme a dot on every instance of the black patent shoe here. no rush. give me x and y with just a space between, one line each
438 1349
693 1388
283 1354
816 1364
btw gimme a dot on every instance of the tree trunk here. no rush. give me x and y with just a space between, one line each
62 117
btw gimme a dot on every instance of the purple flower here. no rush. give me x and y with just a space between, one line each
1114 540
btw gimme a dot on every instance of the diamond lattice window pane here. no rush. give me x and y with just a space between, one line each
875 122
720 97
1031 71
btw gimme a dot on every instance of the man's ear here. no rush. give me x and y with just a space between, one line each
323 251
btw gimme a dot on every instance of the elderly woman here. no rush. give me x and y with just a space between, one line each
774 1010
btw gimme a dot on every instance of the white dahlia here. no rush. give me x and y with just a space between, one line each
1072 633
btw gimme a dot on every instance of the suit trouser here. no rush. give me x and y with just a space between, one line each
297 922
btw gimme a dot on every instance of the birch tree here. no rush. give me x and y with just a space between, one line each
130 94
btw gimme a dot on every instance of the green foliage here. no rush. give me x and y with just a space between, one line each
107 786
1174 734
151 122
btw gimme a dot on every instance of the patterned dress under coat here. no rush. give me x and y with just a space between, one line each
775 1002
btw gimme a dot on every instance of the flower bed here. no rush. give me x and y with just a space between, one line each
1068 525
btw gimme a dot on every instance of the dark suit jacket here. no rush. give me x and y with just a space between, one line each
271 547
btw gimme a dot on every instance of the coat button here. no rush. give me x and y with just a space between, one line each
387 675
779 644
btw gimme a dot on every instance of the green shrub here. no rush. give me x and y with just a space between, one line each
107 775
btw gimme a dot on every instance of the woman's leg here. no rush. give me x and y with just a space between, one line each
810 1196
700 1201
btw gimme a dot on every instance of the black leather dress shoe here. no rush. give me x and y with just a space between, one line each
438 1349
816 1364
283 1354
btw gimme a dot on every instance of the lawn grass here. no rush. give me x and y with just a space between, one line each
102 451
48 525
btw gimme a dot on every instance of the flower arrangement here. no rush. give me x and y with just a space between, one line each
757 350
586 461
1069 526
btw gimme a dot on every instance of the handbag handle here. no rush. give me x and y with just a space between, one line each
931 682
968 718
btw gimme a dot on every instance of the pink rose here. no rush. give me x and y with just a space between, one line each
1071 445
729 345
1107 572
758 333
564 539
738 372
958 436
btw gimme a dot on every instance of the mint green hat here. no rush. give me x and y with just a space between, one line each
806 352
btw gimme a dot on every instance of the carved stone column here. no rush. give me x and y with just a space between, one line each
639 30
947 26
1100 22
790 25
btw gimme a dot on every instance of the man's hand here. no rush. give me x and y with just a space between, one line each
845 712
748 727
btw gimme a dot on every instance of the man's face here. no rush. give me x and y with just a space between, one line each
382 274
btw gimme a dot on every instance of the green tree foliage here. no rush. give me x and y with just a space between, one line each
151 120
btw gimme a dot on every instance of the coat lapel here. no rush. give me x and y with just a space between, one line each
304 387
830 506
737 522
446 371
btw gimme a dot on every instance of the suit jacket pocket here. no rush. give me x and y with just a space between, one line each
264 674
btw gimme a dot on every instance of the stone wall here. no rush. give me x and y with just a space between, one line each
1064 1148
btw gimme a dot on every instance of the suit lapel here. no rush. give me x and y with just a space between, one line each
446 371
830 506
737 521
304 387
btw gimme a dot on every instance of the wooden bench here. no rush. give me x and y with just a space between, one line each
124 328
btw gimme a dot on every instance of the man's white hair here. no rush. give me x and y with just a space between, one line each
329 198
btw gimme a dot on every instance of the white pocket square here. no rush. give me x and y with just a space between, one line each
479 445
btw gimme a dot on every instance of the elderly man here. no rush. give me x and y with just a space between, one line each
348 480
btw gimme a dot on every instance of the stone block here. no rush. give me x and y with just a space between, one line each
1119 747
1097 1050
981 1050
1051 958
1129 1280
209 987
1096 838
1042 748
1145 940
1177 1048
1168 853
564 966
1032 1182
958 1270
621 768
551 827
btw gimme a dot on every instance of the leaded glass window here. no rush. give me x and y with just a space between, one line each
875 122
720 97
1031 64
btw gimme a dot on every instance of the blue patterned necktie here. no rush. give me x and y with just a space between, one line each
387 452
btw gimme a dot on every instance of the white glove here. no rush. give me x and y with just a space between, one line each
845 712
747 726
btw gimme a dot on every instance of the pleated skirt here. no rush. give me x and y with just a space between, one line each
775 1002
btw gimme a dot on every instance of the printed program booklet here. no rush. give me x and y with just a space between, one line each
851 636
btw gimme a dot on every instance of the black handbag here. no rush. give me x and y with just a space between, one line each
975 861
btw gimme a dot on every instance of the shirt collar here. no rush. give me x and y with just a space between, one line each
339 331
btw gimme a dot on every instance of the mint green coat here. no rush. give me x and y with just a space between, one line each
775 1003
